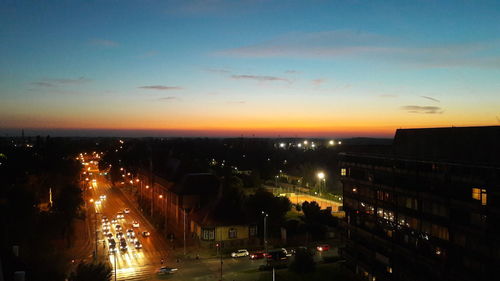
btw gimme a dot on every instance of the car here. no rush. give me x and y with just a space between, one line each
240 253
112 248
98 202
102 197
111 241
135 224
257 255
104 219
109 235
119 234
130 233
118 227
137 244
146 234
113 221
166 270
119 215
323 248
126 210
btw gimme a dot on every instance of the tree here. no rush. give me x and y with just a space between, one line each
265 201
91 271
303 262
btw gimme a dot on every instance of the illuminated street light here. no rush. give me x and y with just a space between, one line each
147 186
331 142
160 196
91 200
305 142
282 145
340 142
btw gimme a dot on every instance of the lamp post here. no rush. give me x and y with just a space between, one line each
321 177
265 230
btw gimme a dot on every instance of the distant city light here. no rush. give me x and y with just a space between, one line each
282 145
331 142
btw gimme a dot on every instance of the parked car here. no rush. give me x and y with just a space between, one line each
166 270
146 234
323 248
240 253
257 255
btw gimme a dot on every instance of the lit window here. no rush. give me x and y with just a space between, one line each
483 197
389 269
476 193
480 195
343 172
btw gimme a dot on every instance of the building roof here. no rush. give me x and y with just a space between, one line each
475 145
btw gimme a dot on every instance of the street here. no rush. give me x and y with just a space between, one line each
142 264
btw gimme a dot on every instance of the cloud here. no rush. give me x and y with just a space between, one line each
218 70
356 45
259 78
318 81
160 87
422 109
430 98
104 43
167 98
60 81
388 96
42 84
291 71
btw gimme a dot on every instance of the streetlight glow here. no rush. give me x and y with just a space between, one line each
321 175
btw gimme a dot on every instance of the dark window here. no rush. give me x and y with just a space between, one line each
208 233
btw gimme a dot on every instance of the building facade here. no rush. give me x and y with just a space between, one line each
428 211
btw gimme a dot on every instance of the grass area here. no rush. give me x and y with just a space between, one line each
323 272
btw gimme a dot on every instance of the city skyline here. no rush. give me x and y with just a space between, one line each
252 68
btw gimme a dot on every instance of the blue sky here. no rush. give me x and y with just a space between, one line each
339 68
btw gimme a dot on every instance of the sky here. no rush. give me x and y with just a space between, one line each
263 68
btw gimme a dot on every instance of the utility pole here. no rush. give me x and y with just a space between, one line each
265 230
184 211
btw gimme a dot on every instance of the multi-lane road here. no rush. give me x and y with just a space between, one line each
142 264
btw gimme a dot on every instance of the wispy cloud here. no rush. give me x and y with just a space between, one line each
42 84
217 70
291 71
355 45
319 81
60 81
430 98
167 98
422 109
160 87
104 43
259 78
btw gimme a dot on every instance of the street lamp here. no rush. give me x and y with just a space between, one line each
265 230
321 177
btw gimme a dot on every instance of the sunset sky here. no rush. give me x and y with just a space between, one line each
262 67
